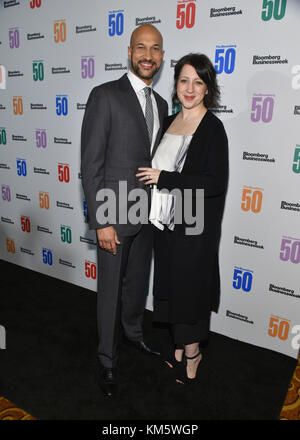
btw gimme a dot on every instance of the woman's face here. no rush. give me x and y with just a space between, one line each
190 88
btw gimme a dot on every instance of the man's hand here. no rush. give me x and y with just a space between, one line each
108 239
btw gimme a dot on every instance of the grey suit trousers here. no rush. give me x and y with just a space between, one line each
123 282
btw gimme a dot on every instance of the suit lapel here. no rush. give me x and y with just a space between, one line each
161 119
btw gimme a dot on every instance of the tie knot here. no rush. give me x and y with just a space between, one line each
147 91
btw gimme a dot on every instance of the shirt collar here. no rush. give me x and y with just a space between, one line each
137 83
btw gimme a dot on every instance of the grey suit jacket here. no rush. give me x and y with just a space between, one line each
114 143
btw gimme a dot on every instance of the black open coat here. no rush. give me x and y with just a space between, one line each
186 271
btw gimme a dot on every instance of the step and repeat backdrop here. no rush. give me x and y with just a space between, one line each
53 52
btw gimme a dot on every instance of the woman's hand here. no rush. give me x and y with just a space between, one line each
148 175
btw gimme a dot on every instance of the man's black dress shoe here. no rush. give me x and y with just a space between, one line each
108 381
142 346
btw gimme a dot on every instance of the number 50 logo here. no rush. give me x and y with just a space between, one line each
38 70
279 327
66 234
35 4
252 199
6 194
290 250
61 105
262 108
44 200
25 224
273 9
242 279
296 163
47 256
90 270
63 172
2 136
87 67
14 38
60 31
115 23
10 245
17 105
186 12
225 60
21 167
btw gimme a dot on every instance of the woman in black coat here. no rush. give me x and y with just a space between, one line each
192 155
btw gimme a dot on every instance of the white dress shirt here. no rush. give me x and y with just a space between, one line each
138 86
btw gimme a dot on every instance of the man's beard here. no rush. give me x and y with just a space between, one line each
135 67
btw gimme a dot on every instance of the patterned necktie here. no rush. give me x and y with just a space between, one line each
149 112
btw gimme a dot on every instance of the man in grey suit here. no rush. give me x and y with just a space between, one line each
120 133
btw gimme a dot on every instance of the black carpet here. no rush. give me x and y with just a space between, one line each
49 367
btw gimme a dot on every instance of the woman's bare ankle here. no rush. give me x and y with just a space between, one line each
179 354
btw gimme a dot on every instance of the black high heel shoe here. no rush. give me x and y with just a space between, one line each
182 377
171 360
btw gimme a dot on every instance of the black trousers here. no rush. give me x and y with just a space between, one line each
191 333
182 332
123 283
